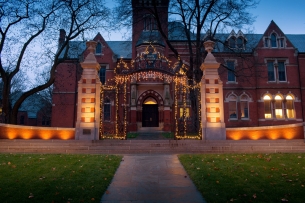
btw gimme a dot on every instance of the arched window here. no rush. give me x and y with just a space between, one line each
278 106
273 40
232 43
290 106
98 49
107 107
267 105
240 43
232 107
244 106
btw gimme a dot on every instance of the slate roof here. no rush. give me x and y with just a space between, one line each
31 105
121 48
298 41
76 49
124 48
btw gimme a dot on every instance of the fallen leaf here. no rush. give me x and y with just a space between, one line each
107 192
231 200
31 195
284 200
9 163
254 196
92 199
217 181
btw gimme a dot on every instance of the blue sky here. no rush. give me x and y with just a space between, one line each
289 15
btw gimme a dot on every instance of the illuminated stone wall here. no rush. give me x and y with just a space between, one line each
8 131
292 131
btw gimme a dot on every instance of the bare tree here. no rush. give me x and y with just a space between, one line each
29 33
190 21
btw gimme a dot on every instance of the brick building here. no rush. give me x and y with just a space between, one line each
263 80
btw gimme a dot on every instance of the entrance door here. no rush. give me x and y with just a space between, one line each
150 115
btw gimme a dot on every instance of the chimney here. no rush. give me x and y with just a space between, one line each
62 37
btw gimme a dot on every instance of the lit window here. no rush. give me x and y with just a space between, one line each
187 112
281 71
231 71
102 74
107 109
267 105
278 106
273 40
98 49
232 43
244 107
232 107
290 107
271 72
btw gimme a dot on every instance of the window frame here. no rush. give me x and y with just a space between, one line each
278 107
102 73
244 98
283 71
231 71
98 48
233 112
268 106
107 106
270 65
292 109
273 40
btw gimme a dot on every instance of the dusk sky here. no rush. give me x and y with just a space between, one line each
289 15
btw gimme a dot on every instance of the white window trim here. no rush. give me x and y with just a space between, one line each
276 72
235 65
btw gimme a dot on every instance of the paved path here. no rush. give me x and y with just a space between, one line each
151 178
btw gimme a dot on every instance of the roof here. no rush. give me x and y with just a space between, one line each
76 49
123 49
298 41
120 49
31 105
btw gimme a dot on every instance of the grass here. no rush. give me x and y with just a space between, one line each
168 135
55 178
132 135
248 177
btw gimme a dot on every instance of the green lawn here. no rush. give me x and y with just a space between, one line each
55 178
248 177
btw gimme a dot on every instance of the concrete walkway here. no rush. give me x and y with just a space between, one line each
151 178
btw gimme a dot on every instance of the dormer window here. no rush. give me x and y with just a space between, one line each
273 40
98 50
240 43
236 41
232 43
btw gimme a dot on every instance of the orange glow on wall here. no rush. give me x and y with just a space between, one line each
30 132
294 131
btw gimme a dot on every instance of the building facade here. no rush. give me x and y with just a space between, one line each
262 77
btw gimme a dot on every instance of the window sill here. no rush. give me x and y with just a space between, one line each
232 82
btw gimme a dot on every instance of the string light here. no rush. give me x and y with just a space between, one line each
137 72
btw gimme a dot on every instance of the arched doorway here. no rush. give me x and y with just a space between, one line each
150 113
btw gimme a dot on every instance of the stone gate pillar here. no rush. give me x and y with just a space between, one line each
212 111
88 102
